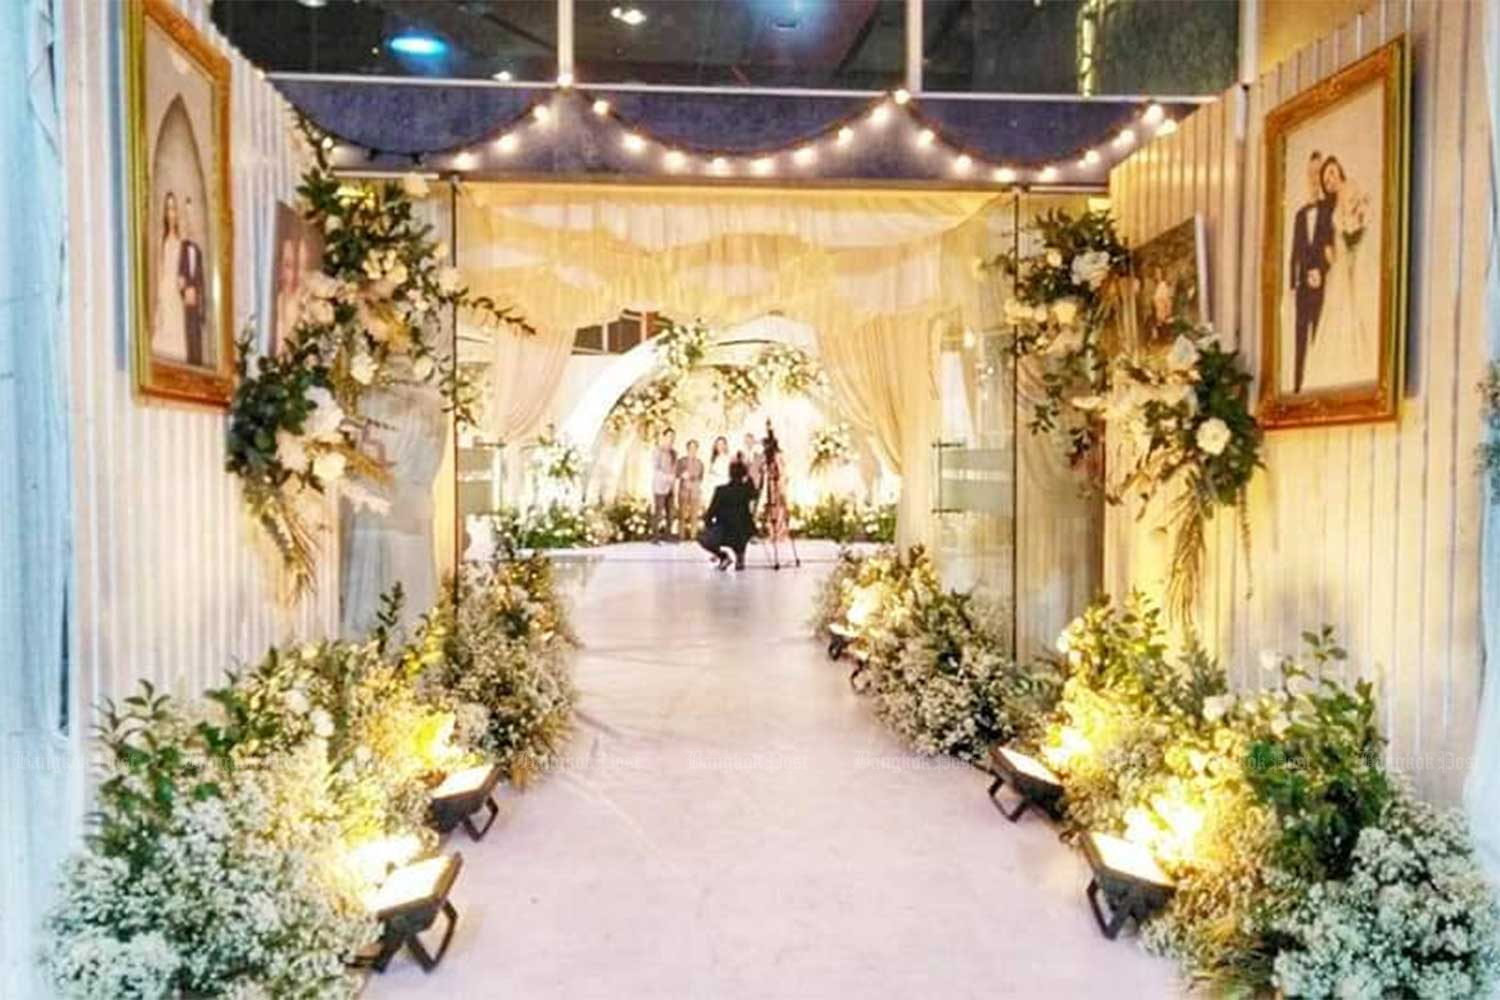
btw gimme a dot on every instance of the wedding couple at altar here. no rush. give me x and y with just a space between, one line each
1333 346
180 310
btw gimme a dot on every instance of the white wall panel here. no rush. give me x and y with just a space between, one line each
1371 528
173 582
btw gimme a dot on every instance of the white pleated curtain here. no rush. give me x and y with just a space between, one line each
877 274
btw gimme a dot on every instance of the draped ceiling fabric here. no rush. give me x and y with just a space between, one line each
877 274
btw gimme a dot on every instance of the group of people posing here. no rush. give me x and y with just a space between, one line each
741 485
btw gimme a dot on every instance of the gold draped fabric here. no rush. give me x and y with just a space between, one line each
879 275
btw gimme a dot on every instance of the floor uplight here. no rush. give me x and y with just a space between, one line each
462 795
1036 783
1131 882
408 902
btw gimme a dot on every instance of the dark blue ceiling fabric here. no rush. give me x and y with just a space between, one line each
393 123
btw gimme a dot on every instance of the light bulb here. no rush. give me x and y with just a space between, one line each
1005 175
1153 114
718 165
1167 127
502 77
1047 174
763 166
846 136
901 95
465 161
962 163
925 137
633 143
804 156
1125 138
880 115
508 143
601 107
673 159
1091 157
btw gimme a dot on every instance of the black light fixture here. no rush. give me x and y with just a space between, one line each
840 638
407 903
462 795
1035 783
1133 884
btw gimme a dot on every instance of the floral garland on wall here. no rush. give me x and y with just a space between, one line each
1184 416
370 319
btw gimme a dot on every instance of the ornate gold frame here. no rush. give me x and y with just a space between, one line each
1388 67
153 377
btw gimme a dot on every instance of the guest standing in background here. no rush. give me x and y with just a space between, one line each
689 492
730 525
718 464
663 485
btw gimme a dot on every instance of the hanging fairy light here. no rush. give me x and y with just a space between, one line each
880 114
845 136
601 107
542 114
925 138
1153 114
1167 127
1047 174
465 161
962 163
508 143
1004 175
805 156
1091 158
763 166
673 159
633 143
901 96
1125 138
718 165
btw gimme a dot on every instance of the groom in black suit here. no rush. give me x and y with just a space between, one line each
1308 269
190 280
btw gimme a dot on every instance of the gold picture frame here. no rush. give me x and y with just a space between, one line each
1331 352
181 218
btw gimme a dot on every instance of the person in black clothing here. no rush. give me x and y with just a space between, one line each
728 521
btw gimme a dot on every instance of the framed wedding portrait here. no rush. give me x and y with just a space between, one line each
1171 281
298 254
1333 295
177 124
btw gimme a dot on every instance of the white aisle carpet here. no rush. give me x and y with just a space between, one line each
735 823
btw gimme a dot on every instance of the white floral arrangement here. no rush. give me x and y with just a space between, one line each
832 447
370 319
681 347
737 389
1415 918
648 408
787 370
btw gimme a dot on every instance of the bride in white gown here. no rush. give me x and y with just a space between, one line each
1343 351
168 320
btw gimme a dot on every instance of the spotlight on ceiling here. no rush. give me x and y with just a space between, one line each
313 3
633 16
416 44
502 77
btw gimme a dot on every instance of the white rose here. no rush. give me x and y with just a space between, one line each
447 280
362 369
320 311
322 723
422 368
1054 258
1066 311
326 418
1088 403
1183 356
1213 436
296 701
321 286
291 451
329 466
1040 313
1091 268
1270 660
1217 707
414 185
397 275
332 224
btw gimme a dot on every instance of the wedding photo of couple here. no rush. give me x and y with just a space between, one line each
178 314
1335 343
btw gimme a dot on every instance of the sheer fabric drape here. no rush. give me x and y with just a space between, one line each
1482 793
409 428
872 272
36 797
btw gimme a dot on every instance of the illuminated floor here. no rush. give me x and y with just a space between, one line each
735 823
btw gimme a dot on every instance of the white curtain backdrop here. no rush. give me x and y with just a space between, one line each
37 774
873 272
1482 794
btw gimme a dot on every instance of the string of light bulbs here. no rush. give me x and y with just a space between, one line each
801 158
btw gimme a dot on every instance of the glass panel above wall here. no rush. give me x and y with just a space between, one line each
469 39
845 44
1114 47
